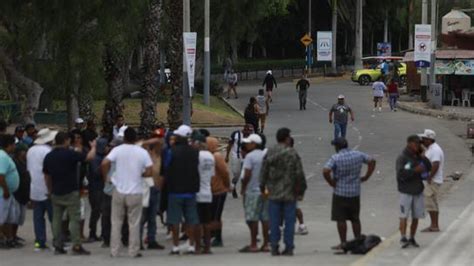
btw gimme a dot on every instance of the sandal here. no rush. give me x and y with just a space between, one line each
264 249
430 230
248 249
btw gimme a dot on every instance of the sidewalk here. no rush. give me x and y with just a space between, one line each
447 112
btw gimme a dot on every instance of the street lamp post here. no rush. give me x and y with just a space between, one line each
207 55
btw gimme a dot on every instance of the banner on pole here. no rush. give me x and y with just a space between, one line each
422 45
384 49
190 39
324 49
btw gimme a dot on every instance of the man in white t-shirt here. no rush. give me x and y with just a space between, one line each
379 89
204 196
132 163
255 204
38 190
435 154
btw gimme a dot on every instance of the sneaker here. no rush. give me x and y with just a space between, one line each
60 251
19 239
380 109
302 230
287 252
404 242
79 251
174 251
275 251
155 245
413 243
217 243
191 250
40 247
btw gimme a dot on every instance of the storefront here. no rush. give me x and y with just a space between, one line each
454 70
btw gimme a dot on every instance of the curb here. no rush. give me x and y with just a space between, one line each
435 113
232 107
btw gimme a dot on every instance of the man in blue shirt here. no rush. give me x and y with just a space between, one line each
345 167
9 183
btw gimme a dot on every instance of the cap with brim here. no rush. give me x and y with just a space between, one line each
183 131
45 135
341 97
253 138
79 120
428 134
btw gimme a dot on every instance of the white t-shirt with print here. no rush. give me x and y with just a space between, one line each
206 172
379 88
434 153
34 163
130 163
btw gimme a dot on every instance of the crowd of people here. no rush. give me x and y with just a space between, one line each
182 177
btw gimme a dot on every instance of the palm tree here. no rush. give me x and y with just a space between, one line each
334 36
151 65
359 35
174 30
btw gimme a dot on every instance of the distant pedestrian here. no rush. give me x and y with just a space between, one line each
345 167
341 113
282 174
220 186
263 109
268 84
79 124
302 87
393 94
181 174
19 134
22 195
251 114
60 169
132 163
38 191
409 168
379 90
433 183
119 127
232 84
255 202
384 69
9 183
30 134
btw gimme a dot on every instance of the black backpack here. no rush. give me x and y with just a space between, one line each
361 245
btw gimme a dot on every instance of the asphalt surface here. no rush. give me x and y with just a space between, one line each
380 134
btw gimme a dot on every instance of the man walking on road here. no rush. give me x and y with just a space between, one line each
409 169
340 111
60 170
346 166
282 174
379 90
132 163
435 154
268 84
302 89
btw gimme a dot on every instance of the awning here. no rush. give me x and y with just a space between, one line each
444 54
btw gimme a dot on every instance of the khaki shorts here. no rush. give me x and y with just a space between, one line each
431 194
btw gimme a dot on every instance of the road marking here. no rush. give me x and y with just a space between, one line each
317 104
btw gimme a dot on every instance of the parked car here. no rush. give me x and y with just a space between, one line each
372 70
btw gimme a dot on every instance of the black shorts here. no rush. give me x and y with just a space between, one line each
204 213
344 208
378 98
269 89
217 206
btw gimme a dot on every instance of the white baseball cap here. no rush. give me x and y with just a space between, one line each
79 120
269 72
253 138
183 131
341 96
428 134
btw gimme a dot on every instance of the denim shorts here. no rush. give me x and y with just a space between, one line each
179 207
10 211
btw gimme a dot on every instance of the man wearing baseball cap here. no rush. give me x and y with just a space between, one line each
433 183
255 205
339 115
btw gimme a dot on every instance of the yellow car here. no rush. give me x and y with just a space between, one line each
367 75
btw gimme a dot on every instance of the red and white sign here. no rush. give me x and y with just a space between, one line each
190 39
422 45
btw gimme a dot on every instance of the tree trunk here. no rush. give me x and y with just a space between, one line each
411 8
72 99
250 50
264 51
385 26
25 85
372 42
358 36
151 66
174 11
334 37
113 76
234 49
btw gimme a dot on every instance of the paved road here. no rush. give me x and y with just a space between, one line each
380 134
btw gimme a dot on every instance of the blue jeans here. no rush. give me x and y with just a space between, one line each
40 208
340 130
393 100
287 211
149 215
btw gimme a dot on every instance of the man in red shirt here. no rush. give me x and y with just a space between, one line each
392 91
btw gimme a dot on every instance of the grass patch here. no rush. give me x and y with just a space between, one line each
218 114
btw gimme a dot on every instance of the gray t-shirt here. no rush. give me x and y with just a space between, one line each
340 113
253 162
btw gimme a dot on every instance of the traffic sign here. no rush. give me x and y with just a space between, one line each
306 40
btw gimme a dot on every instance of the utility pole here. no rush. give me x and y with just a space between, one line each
310 47
207 54
186 94
385 27
424 77
434 43
334 36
